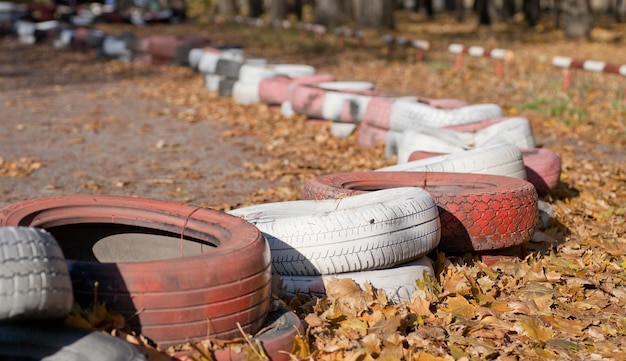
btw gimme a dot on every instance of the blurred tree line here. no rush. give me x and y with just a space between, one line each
574 16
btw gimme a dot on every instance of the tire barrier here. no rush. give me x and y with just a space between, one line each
500 55
367 232
542 165
397 282
477 212
514 130
182 272
497 159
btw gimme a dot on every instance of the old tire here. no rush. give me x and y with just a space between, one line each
498 159
52 341
477 212
34 281
187 272
373 231
397 282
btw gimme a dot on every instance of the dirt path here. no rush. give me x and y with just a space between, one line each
87 128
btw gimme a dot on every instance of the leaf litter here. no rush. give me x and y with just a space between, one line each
564 300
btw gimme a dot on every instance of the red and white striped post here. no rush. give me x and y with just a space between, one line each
590 65
419 45
500 55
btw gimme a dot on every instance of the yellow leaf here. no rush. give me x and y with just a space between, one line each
457 284
535 330
76 320
424 356
355 324
420 306
300 348
459 306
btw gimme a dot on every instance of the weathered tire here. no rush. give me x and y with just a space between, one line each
186 272
276 338
498 159
228 68
34 281
276 90
373 231
477 212
225 86
397 282
52 341
516 131
211 56
543 167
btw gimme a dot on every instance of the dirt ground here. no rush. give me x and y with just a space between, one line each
72 124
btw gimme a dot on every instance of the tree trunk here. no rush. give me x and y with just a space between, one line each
487 12
532 11
328 12
577 16
278 10
375 13
227 8
255 8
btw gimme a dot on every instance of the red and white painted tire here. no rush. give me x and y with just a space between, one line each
326 100
498 159
516 131
542 165
478 212
397 282
372 231
247 88
276 90
210 56
410 115
543 168
177 272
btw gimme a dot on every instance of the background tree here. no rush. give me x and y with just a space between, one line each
226 8
328 12
374 13
578 18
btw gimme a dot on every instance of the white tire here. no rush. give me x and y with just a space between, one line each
194 56
346 85
342 130
516 131
306 237
397 282
34 280
245 92
294 70
210 57
212 81
497 159
410 115
286 109
251 73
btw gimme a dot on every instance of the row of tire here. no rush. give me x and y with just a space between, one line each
373 226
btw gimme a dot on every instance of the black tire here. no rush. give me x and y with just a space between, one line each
34 280
52 341
228 68
225 87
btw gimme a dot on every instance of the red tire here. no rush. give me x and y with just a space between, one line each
543 167
276 90
477 212
308 100
378 112
369 135
187 272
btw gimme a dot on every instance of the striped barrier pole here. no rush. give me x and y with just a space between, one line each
500 55
419 45
342 34
590 65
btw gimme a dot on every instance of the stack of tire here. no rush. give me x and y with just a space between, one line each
379 237
35 296
176 272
